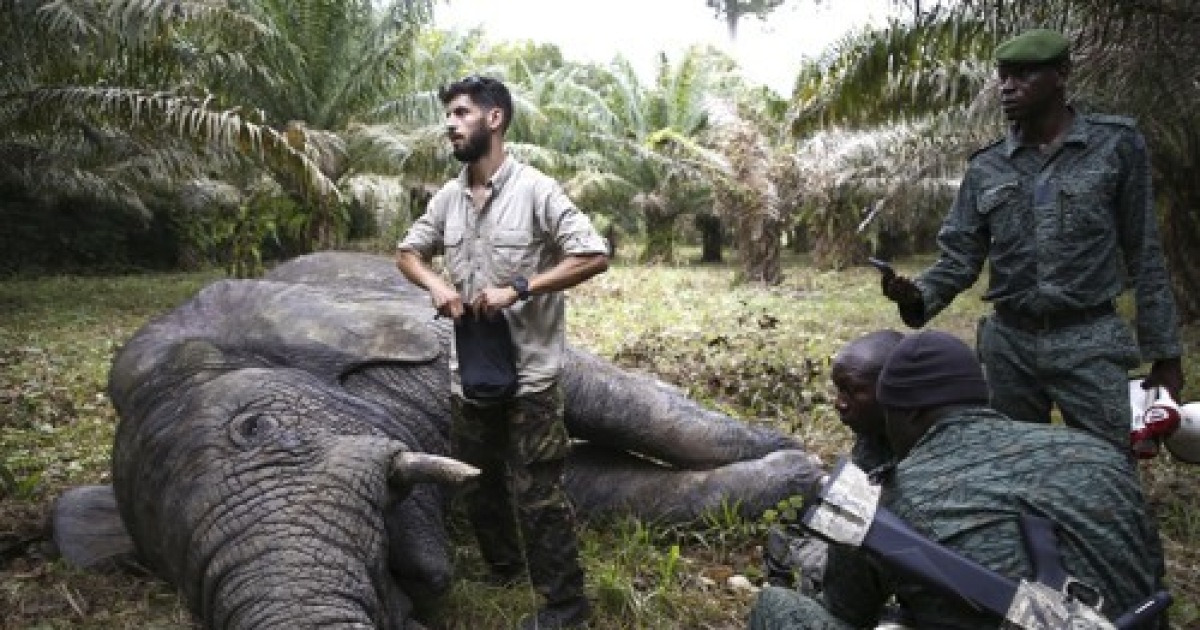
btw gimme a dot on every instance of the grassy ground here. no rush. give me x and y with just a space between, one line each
761 354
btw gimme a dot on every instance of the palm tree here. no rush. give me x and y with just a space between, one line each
153 93
121 103
885 121
749 199
120 118
397 154
322 68
656 146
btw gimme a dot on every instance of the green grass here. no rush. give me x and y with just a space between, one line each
758 353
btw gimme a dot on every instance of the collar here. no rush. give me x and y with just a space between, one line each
966 415
1077 133
498 179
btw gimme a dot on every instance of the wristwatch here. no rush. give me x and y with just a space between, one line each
521 285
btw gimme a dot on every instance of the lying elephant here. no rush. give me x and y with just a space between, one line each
276 437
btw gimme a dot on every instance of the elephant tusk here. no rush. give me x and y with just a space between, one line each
410 468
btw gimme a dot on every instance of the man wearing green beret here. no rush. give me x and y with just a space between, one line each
1061 209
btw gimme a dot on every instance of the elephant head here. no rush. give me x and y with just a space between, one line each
277 495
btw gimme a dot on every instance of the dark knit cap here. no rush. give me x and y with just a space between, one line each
928 369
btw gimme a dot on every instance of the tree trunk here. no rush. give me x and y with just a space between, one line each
761 251
711 237
798 240
660 237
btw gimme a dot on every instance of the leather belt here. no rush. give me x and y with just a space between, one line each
1055 320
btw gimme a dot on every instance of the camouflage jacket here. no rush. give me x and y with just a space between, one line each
1060 232
965 484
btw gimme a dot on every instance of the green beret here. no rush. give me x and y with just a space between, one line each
1039 45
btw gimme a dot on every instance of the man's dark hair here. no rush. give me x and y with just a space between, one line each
486 92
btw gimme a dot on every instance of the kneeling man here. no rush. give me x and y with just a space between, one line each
965 475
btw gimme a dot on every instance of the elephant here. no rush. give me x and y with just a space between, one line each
281 454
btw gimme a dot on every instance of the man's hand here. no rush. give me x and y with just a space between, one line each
492 300
446 300
901 290
1166 373
907 296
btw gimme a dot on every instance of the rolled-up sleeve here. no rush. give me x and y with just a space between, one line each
426 233
572 231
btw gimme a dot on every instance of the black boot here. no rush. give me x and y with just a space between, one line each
573 613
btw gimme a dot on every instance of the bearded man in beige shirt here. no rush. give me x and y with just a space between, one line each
513 241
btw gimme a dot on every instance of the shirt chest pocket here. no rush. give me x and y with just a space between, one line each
514 252
457 258
1086 203
1000 206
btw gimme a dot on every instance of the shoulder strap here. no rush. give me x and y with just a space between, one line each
985 147
1041 544
1111 119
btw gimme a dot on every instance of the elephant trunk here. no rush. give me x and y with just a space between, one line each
644 415
280 590
310 551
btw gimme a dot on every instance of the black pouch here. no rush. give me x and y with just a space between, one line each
487 362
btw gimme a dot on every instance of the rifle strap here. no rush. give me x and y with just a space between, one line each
1041 544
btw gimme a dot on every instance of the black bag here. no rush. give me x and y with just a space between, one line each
487 362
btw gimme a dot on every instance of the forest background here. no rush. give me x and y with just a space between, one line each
212 137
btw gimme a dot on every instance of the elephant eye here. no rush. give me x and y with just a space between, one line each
251 429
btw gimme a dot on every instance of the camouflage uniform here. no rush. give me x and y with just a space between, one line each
964 485
1063 235
520 446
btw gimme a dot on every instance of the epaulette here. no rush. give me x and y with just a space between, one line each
986 147
1111 119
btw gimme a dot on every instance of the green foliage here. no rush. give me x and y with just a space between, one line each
152 95
900 73
125 106
785 512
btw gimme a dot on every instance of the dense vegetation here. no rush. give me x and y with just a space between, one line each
204 138
178 133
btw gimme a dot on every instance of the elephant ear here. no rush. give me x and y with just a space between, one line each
352 327
240 323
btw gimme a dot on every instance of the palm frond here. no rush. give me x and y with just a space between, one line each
185 118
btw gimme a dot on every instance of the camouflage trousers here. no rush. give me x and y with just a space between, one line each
1083 369
520 447
785 609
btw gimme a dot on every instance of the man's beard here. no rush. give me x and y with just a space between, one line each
477 145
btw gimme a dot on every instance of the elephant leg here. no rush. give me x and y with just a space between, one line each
88 530
603 481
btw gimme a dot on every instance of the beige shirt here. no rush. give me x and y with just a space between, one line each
526 226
